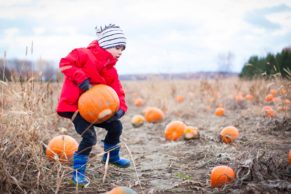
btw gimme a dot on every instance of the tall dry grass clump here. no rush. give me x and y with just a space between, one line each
28 121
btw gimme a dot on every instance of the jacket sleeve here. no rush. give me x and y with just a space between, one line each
116 85
71 67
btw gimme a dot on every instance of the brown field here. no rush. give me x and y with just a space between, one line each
259 156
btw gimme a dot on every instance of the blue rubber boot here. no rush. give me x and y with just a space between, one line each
114 156
79 165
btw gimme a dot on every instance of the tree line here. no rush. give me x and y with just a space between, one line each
24 70
269 66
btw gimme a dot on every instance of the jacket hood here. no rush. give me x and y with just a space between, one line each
99 51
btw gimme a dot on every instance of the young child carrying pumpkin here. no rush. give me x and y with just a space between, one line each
82 68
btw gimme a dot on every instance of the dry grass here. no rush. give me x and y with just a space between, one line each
28 120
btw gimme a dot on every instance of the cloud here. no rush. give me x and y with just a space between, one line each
259 17
22 24
163 35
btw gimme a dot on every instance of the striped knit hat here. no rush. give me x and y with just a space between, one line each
110 36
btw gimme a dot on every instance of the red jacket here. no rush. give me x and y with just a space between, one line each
94 63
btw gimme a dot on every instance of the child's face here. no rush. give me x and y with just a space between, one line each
116 51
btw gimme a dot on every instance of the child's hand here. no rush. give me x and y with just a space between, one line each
85 85
116 116
119 113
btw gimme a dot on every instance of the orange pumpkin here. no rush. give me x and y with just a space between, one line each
229 134
153 115
273 92
121 190
289 157
138 102
286 102
219 111
61 148
174 130
249 97
98 104
191 133
239 98
137 120
268 111
269 98
221 175
180 98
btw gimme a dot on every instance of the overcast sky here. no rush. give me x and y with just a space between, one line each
164 36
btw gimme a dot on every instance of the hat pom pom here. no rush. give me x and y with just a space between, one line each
98 30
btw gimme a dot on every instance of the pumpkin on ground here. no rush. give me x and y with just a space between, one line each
98 104
61 148
289 157
191 133
121 190
269 98
180 98
239 98
286 102
138 102
153 115
229 134
273 92
268 111
137 120
249 97
219 111
174 130
221 175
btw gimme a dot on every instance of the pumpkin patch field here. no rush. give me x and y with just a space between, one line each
182 136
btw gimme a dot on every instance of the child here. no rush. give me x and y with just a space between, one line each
82 68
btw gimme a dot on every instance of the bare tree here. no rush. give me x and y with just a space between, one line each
225 62
47 70
5 74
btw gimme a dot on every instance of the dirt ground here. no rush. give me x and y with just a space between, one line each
259 155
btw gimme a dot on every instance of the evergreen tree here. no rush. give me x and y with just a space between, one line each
269 66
